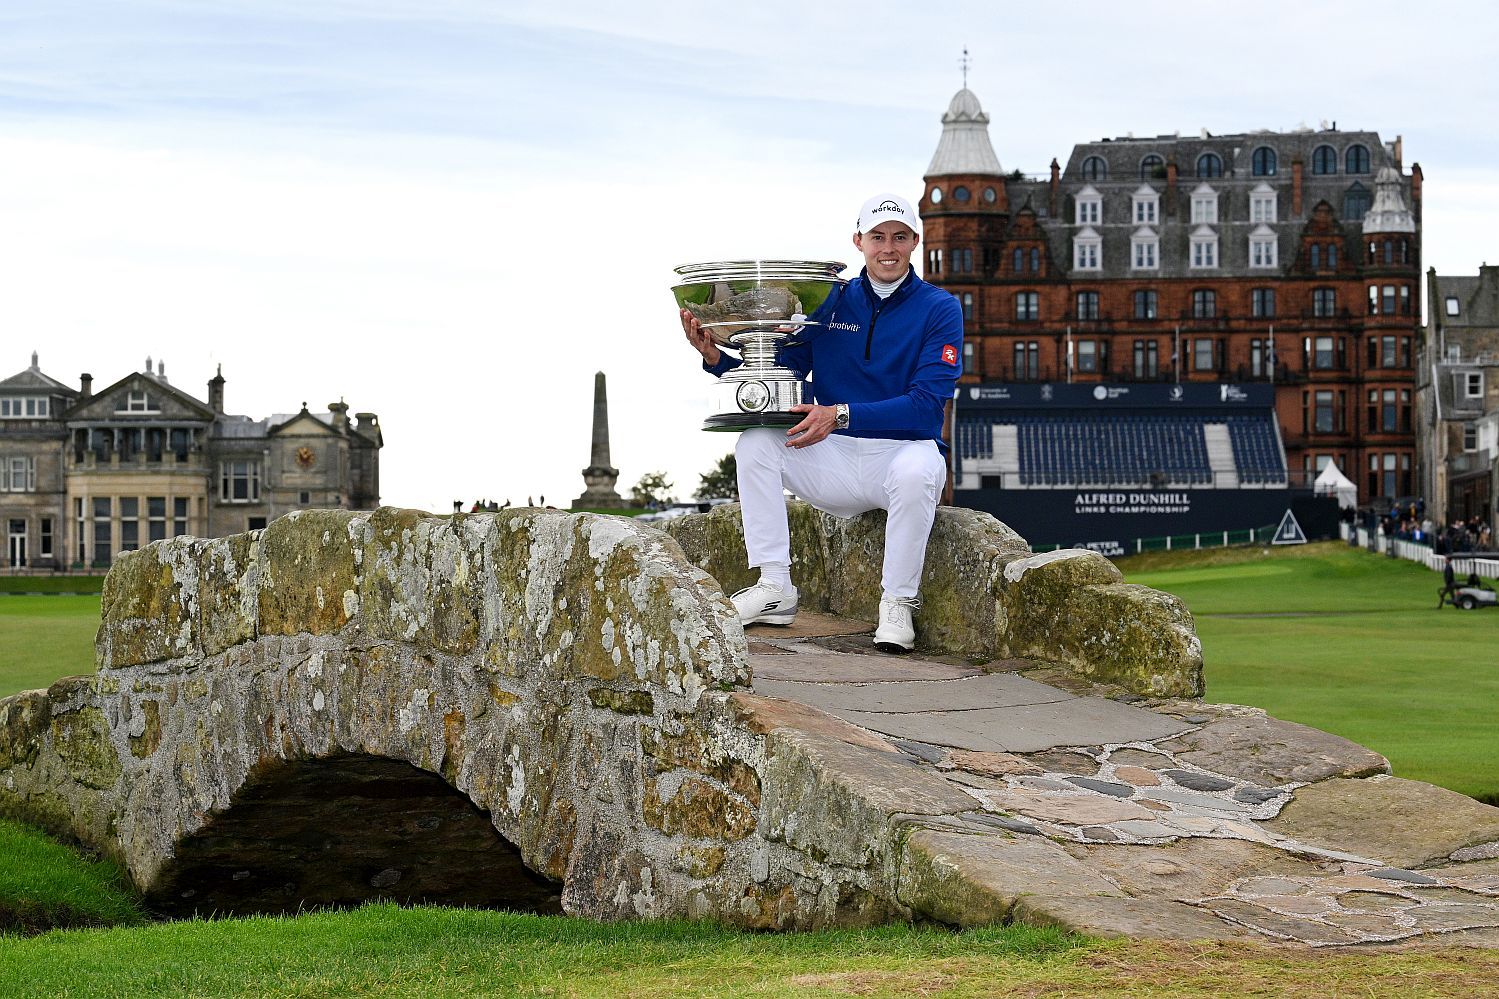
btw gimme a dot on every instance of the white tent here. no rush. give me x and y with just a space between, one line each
1333 481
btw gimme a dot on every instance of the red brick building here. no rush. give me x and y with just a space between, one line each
1291 259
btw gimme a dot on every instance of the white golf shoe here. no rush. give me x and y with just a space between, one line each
896 632
765 603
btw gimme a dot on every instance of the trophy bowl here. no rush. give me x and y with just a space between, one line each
758 307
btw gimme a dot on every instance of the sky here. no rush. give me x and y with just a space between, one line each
452 213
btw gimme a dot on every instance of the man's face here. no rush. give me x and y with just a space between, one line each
887 250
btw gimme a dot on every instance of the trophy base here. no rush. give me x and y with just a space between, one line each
734 422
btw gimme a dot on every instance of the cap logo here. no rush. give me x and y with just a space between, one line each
887 206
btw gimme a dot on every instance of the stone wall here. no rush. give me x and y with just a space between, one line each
984 594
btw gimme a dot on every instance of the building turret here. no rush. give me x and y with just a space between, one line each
964 208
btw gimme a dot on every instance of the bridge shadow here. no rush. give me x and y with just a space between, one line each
339 831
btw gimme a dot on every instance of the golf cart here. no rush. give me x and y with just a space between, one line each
1469 595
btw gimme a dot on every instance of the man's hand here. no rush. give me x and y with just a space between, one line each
818 423
701 339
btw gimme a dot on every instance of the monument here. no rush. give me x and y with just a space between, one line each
599 477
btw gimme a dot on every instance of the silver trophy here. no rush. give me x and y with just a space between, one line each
757 307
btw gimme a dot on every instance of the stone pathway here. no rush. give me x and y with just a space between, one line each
1172 818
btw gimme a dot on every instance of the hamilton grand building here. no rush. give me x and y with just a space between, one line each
1177 323
85 474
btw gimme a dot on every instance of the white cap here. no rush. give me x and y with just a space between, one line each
887 208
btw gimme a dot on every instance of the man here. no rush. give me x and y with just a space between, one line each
883 365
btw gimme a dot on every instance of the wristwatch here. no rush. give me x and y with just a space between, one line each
840 416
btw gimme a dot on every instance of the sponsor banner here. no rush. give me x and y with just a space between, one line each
1109 521
1048 395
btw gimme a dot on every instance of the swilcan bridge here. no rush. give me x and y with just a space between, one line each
549 711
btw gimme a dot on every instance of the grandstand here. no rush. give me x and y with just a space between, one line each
1139 460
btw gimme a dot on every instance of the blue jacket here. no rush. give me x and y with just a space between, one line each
894 361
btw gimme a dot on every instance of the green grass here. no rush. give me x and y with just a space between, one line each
1350 643
43 638
43 884
51 584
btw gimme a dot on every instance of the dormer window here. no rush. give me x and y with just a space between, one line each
1262 204
1453 308
26 407
1089 206
1087 250
1324 160
1204 248
1094 168
1146 205
1356 201
1262 246
1152 167
1210 165
1262 163
1204 205
1145 250
1356 160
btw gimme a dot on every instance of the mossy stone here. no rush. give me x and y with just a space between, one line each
81 740
144 613
307 573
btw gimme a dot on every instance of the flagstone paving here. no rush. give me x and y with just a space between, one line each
1157 818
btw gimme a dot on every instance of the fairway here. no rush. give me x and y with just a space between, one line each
45 637
1351 643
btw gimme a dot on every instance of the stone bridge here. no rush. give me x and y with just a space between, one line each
528 709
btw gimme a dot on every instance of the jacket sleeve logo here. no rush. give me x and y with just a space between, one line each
950 355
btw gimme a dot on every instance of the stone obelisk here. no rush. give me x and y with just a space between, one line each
599 476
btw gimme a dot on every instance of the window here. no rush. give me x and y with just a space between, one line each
1146 360
179 516
961 193
1262 358
1470 439
962 261
1262 163
130 523
103 531
139 401
1146 205
1472 384
1152 166
305 498
1146 250
1452 306
18 474
1210 165
156 518
1262 302
1087 251
1089 206
1204 205
1323 415
1405 300
26 407
1202 354
1087 355
239 481
1204 248
1035 261
1262 204
1094 168
967 307
1027 360
1320 352
1314 252
1332 256
1387 300
990 196
1087 305
1324 302
1262 246
258 523
1324 160
1027 306
1386 411
1389 251
80 529
934 262
45 545
1356 202
1356 160
1145 304
1019 267
1204 303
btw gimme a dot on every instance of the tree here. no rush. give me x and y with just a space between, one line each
653 489
721 481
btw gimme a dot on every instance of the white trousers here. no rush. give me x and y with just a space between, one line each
844 476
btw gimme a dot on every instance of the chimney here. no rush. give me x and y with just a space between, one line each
216 391
1056 179
340 411
161 370
1171 187
1296 170
85 386
35 361
1416 190
1399 151
367 422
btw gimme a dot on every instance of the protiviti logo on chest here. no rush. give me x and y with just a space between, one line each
850 327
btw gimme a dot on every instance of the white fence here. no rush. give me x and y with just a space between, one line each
1414 551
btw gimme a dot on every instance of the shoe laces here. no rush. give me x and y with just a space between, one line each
892 612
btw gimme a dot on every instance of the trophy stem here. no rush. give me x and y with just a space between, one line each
759 349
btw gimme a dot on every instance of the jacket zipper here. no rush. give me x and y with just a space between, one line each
869 337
